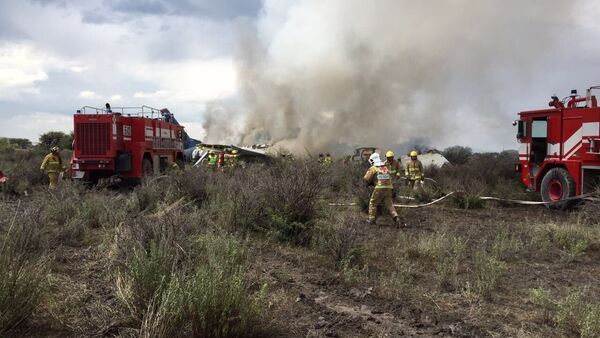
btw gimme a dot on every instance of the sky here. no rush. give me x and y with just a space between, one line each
191 56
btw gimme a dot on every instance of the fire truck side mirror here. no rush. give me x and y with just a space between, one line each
521 129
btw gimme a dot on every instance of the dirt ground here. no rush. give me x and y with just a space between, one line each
310 296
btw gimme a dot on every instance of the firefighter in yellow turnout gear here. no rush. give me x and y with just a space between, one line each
395 168
379 175
52 164
231 160
414 172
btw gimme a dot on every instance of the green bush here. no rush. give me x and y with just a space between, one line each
541 298
578 312
340 239
280 199
22 272
206 297
488 271
146 254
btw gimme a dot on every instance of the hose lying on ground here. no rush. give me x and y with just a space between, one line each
484 198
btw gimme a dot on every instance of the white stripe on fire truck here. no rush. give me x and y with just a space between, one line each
553 149
570 144
573 151
523 149
591 129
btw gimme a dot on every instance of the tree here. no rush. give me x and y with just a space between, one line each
458 154
21 143
56 138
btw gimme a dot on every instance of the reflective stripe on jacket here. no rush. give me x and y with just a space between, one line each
381 177
52 163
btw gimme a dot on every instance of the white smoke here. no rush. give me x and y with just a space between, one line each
317 75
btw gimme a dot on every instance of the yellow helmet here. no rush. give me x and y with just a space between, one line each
234 151
413 153
389 154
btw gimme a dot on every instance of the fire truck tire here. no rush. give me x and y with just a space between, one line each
147 169
556 185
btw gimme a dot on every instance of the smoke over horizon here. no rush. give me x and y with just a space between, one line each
324 75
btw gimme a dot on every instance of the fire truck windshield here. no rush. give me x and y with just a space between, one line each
539 129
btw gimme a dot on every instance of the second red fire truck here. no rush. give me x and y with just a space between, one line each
559 153
124 142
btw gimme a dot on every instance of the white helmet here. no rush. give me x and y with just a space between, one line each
375 160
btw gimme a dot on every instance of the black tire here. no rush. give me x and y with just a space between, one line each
147 168
558 185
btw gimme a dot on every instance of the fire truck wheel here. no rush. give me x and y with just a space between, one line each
147 169
557 185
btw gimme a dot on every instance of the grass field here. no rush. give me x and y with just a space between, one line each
259 252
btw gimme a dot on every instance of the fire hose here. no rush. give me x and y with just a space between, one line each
483 198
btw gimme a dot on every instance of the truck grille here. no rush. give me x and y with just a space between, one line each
93 138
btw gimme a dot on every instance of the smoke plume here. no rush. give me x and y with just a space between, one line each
320 75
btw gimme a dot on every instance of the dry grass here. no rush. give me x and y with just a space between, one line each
171 257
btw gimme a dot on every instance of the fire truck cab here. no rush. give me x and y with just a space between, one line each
559 152
124 142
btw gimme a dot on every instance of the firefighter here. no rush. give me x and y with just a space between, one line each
221 159
173 167
395 168
379 175
328 160
232 158
212 159
52 164
414 172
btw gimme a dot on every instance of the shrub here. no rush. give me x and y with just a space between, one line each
212 300
572 239
541 298
22 272
577 312
488 270
281 199
23 169
340 240
149 195
507 244
146 254
448 261
457 154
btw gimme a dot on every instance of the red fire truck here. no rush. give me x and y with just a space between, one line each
559 153
124 142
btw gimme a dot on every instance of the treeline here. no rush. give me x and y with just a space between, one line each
45 141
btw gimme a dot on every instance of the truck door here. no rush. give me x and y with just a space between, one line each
539 139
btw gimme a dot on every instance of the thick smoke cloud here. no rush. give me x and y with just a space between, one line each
321 75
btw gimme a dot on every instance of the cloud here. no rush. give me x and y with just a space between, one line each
218 10
21 66
193 80
89 95
116 98
32 125
159 94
